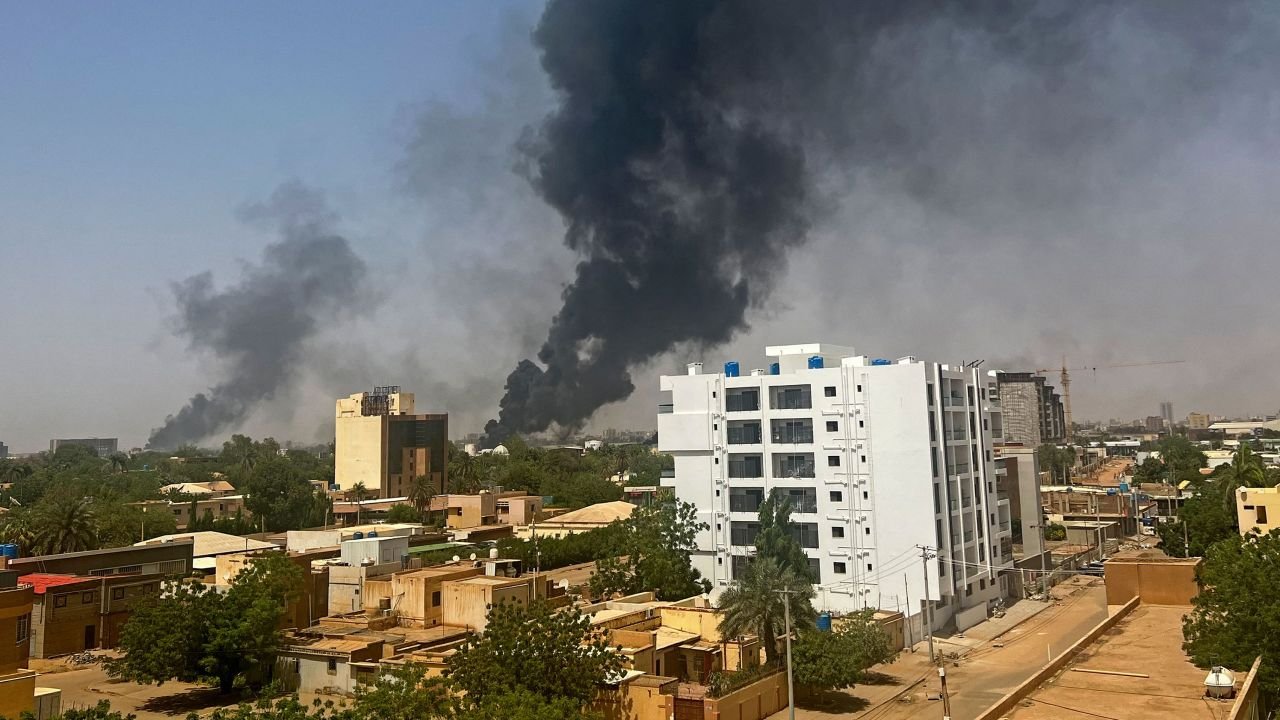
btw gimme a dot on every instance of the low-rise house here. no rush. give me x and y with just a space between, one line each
208 545
1257 509
17 683
166 559
590 517
303 540
186 512
518 508
65 613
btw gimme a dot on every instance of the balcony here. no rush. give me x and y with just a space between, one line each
795 397
742 401
793 435
1004 526
744 434
951 435
958 469
953 401
666 408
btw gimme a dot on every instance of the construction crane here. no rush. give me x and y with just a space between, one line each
1065 377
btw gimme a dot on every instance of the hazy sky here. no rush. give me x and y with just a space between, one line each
133 135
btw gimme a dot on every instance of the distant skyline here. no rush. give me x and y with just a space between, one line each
132 136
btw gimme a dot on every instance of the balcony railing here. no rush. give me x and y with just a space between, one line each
958 469
742 403
955 435
798 471
749 435
666 408
952 401
793 436
1004 526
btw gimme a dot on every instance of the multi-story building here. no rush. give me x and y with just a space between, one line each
4 451
1198 421
104 447
1033 412
879 458
17 683
1166 413
1153 423
382 444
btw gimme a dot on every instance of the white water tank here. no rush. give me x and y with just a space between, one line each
1220 683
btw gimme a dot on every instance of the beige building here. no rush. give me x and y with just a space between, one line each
1258 509
380 442
590 517
1197 421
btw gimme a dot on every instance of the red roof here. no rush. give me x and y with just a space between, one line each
43 581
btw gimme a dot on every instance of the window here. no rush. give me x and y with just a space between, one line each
836 496
838 568
837 531
982 584
804 533
865 495
149 588
24 628
928 390
833 461
1262 514
829 391
868 567
743 499
117 593
866 530
934 458
333 666
833 426
864 458
60 601
859 388
435 599
860 424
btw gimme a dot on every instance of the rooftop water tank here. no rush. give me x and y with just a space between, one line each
1220 683
358 535
815 362
881 361
731 368
775 368
372 534
824 622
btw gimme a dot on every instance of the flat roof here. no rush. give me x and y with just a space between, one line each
209 543
41 582
1148 641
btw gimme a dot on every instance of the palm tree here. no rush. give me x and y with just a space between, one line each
1245 470
16 529
462 470
358 492
752 605
119 462
64 524
421 492
12 471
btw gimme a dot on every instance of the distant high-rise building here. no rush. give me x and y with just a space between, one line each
380 442
1033 412
1166 412
104 447
1198 421
1154 423
4 451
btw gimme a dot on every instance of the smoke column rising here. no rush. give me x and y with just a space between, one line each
257 329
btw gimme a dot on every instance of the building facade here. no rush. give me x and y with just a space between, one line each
381 443
880 458
1198 421
4 451
104 447
1166 413
1033 412
17 682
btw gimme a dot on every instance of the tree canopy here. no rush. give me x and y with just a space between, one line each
193 633
840 658
653 553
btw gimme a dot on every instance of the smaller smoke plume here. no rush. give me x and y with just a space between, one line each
257 328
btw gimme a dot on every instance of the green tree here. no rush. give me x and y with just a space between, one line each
580 489
1057 461
1055 531
279 495
63 523
1245 470
1205 518
656 543
777 536
839 659
401 513
554 654
753 604
421 493
1236 616
525 705
192 633
240 451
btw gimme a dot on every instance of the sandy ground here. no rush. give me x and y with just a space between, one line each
86 686
981 666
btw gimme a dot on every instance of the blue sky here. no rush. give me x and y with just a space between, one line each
130 132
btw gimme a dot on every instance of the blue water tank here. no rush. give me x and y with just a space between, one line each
775 369
731 368
815 362
358 536
1111 491
1124 487
372 534
9 550
881 361
824 622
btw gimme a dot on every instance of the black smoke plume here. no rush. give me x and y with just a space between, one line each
257 329
695 143
681 209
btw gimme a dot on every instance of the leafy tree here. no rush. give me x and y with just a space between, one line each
1236 616
753 604
1204 519
554 654
581 489
401 513
777 536
656 543
836 660
1246 470
1055 531
280 496
421 493
525 705
192 633
64 523
1058 461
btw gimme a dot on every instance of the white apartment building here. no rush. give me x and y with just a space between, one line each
878 457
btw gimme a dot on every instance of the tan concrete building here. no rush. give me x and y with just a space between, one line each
1197 421
380 442
17 683
590 517
1258 509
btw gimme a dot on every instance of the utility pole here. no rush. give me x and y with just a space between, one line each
926 614
946 699
906 590
786 619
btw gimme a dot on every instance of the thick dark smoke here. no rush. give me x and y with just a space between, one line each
681 209
695 144
257 329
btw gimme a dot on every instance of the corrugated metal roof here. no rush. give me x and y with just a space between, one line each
43 581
